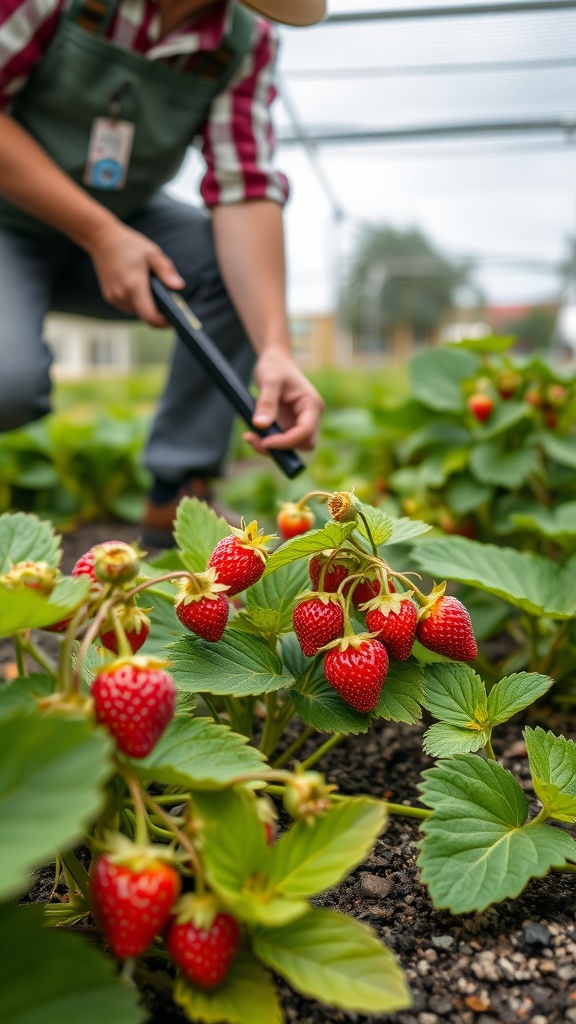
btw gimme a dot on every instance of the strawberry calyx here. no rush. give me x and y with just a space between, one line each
137 857
73 705
199 908
325 596
385 604
253 539
143 662
427 607
132 618
198 586
350 639
35 575
115 562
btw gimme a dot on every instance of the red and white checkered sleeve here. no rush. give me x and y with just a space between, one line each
237 140
26 28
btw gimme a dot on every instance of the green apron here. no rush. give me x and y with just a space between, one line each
83 76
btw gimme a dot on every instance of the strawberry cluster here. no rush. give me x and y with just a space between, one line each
356 664
135 893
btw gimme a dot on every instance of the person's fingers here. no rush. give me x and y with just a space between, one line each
266 408
163 267
143 304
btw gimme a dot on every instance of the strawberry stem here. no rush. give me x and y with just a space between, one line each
319 753
405 811
142 837
291 750
178 574
180 836
369 533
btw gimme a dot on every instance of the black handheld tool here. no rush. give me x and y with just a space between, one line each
190 330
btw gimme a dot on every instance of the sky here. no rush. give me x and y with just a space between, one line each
505 201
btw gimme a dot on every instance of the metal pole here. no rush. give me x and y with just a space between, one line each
395 14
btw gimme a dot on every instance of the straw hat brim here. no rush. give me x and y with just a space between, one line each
290 12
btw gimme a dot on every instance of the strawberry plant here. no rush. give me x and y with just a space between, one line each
147 776
163 845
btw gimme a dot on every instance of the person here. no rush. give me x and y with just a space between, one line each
99 103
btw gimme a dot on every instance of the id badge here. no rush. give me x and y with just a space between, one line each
108 153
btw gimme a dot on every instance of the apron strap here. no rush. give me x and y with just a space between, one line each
92 15
221 65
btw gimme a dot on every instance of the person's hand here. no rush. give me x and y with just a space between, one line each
123 260
284 395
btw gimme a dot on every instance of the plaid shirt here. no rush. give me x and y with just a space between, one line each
236 140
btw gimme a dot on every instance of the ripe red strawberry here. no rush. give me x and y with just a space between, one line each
201 605
240 560
317 620
135 699
480 406
85 566
394 618
446 628
132 895
328 571
135 624
365 590
294 519
357 668
202 944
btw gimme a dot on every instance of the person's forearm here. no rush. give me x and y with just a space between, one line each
31 180
250 247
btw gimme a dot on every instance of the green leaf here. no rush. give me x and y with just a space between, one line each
492 463
559 449
402 694
404 529
26 538
52 771
514 693
246 996
442 740
196 753
536 584
437 375
325 710
50 977
275 594
330 536
330 957
478 848
27 609
307 861
455 695
504 416
23 691
378 522
465 495
557 523
492 343
239 665
198 530
237 859
552 762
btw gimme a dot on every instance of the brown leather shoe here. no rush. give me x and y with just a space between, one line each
158 521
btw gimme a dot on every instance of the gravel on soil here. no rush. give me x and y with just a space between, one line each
514 962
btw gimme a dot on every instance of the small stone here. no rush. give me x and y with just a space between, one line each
427 1018
374 885
441 1005
534 934
571 1015
538 1019
567 973
516 749
443 941
477 1003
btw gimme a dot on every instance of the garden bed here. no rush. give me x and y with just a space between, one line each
514 962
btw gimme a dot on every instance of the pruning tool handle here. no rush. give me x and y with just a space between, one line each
177 311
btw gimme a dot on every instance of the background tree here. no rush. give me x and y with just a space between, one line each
398 282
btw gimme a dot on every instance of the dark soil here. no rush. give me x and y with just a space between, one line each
514 962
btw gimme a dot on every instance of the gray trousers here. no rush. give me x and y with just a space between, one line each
191 430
